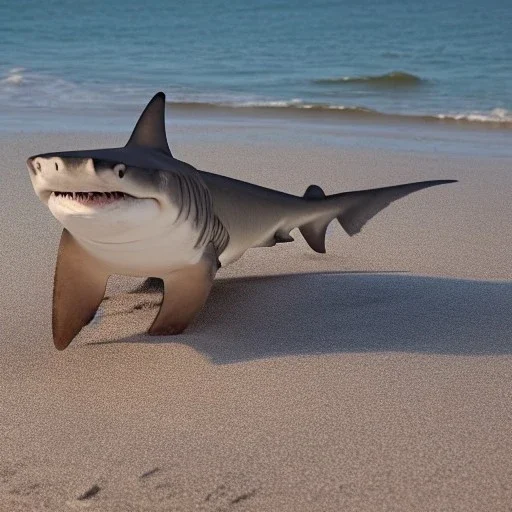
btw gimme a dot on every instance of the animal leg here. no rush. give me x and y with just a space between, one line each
185 292
78 289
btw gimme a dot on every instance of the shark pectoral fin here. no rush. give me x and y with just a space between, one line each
282 237
185 292
314 233
78 289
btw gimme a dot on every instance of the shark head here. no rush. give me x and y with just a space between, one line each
112 194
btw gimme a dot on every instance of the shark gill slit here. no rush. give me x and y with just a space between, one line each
195 204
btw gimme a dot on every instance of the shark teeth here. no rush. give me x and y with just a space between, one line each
92 196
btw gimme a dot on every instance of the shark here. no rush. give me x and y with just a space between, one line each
138 211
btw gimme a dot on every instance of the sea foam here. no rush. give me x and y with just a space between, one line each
14 77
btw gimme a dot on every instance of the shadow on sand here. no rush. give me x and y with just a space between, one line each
262 317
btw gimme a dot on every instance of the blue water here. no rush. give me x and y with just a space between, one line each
441 58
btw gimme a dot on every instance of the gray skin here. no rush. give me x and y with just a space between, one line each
136 210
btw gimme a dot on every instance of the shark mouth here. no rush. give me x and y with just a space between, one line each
93 198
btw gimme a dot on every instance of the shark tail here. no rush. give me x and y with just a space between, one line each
353 209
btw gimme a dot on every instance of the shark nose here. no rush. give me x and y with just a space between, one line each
33 166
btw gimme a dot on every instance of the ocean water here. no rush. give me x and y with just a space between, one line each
441 59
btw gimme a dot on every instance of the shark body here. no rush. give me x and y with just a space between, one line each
138 211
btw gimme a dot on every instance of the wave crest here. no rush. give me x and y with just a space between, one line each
14 77
392 79
280 105
24 87
498 117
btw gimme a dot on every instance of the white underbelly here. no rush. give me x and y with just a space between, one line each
154 255
242 240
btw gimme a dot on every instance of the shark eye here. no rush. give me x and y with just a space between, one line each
120 169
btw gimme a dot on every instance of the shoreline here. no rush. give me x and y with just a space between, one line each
333 113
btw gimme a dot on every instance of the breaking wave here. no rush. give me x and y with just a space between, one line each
392 79
14 77
498 117
21 89
25 88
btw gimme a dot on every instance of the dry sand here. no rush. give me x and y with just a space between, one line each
375 377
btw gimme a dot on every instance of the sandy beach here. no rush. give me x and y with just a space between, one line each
375 377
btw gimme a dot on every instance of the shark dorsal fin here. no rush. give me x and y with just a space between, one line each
149 131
